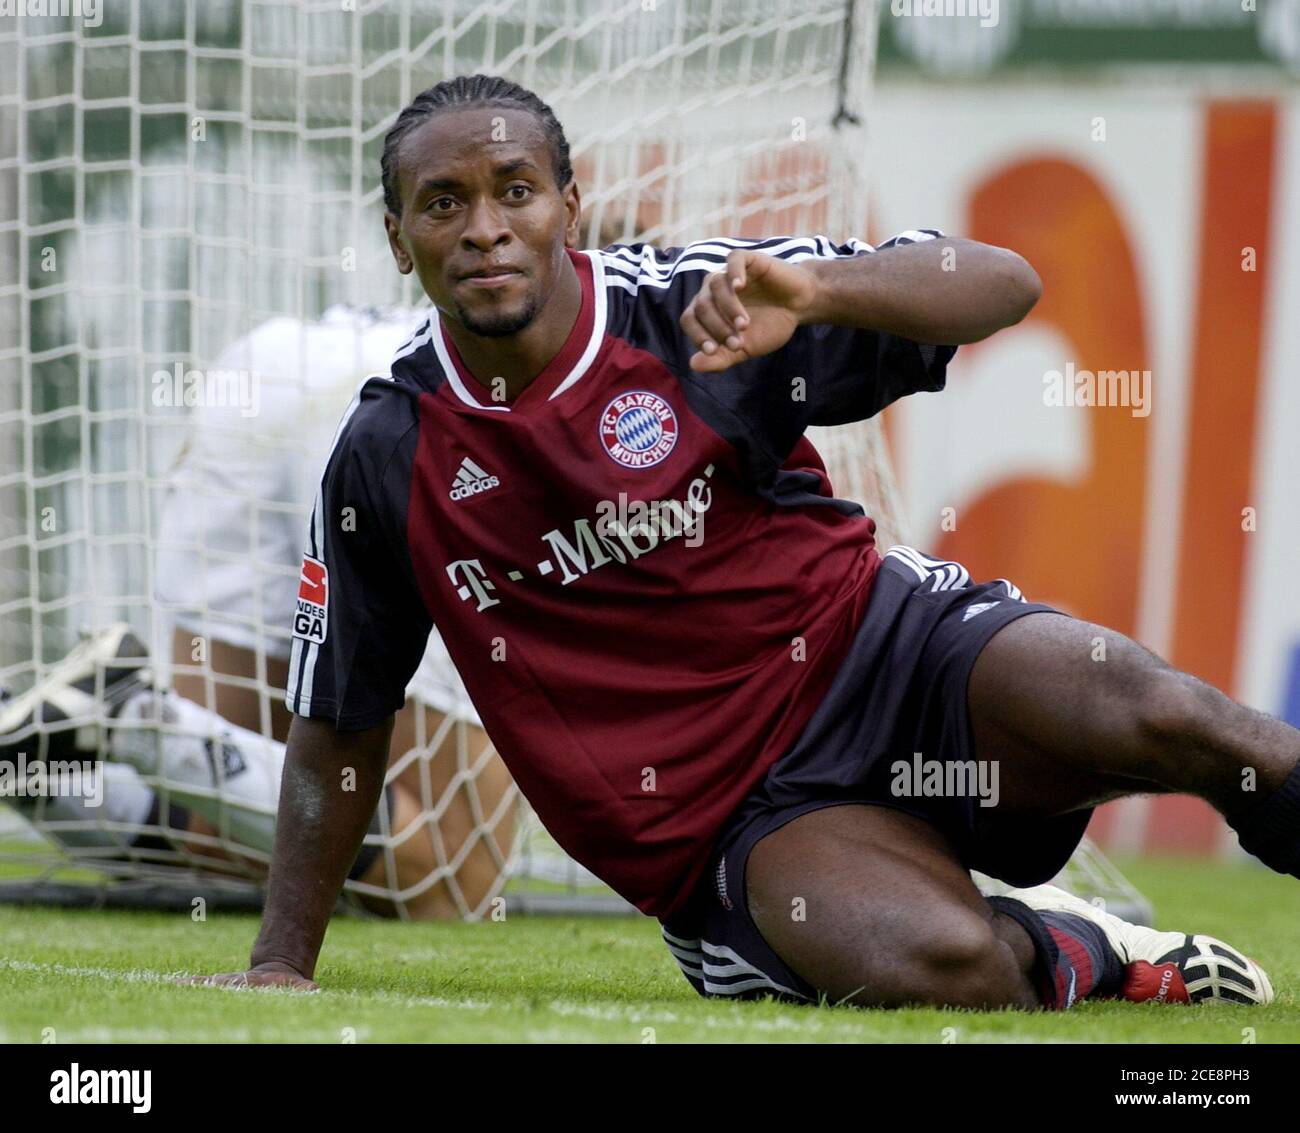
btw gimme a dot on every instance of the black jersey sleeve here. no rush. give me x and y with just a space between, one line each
359 624
825 375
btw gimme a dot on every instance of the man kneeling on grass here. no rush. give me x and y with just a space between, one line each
710 724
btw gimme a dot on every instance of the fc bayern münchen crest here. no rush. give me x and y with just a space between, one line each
638 429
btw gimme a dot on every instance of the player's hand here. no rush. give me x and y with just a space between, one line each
264 975
748 310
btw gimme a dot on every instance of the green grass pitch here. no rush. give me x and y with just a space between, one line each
100 976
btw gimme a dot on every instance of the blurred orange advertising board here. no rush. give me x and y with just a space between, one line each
1159 495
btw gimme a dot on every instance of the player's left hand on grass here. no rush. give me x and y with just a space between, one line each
264 975
747 310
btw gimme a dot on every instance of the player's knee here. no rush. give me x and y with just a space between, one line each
972 967
961 963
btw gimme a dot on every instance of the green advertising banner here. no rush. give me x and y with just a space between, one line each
976 37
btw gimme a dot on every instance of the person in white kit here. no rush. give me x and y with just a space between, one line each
226 576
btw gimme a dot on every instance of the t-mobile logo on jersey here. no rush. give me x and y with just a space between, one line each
593 544
651 519
473 583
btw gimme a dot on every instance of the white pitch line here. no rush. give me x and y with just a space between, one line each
601 1012
829 1027
116 975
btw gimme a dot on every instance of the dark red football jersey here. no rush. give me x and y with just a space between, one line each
640 572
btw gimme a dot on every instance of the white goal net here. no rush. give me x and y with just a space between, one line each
177 176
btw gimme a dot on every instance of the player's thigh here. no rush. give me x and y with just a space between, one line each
452 756
413 864
456 770
1064 707
872 905
231 668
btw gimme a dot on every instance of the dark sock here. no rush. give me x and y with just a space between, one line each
1271 828
1072 957
178 818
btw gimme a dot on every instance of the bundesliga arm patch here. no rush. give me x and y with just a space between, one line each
311 615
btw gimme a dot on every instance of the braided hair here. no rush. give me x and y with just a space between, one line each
469 90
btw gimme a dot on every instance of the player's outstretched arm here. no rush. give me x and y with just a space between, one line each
942 291
331 786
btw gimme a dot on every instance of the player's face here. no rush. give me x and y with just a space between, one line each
484 225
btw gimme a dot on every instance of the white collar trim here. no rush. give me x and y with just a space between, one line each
597 326
580 368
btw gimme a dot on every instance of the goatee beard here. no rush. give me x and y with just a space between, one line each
500 324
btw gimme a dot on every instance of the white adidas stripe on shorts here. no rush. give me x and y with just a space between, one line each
942 574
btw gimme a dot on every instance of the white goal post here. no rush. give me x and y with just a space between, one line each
174 173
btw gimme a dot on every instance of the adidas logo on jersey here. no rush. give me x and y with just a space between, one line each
471 480
978 608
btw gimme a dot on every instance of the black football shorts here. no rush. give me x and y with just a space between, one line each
899 696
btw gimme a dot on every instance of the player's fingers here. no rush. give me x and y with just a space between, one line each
719 359
289 980
695 331
294 983
722 290
222 979
738 274
707 363
251 979
706 310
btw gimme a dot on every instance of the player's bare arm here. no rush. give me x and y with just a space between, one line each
950 291
320 829
413 859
